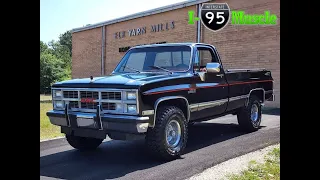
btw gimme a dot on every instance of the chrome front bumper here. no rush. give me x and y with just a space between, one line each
103 122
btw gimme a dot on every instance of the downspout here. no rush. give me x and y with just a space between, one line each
102 49
199 24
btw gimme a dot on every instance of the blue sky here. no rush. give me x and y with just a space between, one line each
58 16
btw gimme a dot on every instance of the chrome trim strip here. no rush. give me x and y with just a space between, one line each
238 97
165 99
211 104
256 89
193 107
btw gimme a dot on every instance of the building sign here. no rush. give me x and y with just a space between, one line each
143 30
125 49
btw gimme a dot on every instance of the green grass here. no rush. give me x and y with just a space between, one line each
269 170
45 97
47 130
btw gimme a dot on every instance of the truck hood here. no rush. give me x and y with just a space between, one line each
125 81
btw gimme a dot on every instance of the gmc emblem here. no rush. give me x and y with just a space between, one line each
87 100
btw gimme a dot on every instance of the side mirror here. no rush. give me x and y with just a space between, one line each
213 67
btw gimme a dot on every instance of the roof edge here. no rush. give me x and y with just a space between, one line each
141 14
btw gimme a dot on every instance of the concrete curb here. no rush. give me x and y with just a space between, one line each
45 140
55 142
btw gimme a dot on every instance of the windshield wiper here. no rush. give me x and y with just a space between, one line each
136 70
158 67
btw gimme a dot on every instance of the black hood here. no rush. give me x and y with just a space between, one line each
125 81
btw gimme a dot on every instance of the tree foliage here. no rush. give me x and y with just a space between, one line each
55 61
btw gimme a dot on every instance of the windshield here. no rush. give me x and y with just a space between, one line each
156 59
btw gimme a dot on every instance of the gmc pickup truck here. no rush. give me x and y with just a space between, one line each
154 93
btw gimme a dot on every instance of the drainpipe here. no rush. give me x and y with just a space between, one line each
198 24
102 49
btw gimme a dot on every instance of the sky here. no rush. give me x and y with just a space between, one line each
59 16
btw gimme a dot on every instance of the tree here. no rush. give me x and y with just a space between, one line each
55 61
50 71
65 39
61 52
43 47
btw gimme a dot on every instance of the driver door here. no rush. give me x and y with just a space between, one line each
212 92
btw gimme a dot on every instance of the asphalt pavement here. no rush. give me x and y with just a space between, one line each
209 143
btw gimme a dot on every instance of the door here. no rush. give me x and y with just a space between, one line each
212 92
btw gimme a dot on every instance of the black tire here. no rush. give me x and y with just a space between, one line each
83 143
156 138
244 115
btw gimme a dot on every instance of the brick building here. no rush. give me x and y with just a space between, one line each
97 48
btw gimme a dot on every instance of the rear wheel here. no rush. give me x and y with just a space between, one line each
83 143
168 138
249 117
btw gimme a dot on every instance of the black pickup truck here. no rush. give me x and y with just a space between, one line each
154 93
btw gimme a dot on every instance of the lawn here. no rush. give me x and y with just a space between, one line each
46 97
269 170
47 130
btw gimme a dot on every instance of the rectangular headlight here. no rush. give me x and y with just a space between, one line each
132 108
58 104
131 96
57 93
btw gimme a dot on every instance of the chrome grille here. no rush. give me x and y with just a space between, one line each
109 106
89 105
89 94
81 100
74 104
70 94
111 95
87 99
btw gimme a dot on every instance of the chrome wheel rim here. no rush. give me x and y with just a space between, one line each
173 133
254 113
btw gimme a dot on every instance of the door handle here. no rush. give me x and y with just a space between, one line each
220 75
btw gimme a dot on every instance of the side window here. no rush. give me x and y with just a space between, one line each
203 56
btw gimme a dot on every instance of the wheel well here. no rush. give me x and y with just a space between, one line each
180 103
259 93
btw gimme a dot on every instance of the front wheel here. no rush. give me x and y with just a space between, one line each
168 138
249 117
83 143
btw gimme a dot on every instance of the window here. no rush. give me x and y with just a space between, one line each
172 58
163 59
135 61
178 58
205 56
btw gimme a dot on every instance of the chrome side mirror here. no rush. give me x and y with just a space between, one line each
213 67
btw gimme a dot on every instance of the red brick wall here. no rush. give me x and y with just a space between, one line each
86 53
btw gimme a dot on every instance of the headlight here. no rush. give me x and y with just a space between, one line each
131 96
57 93
132 108
58 104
